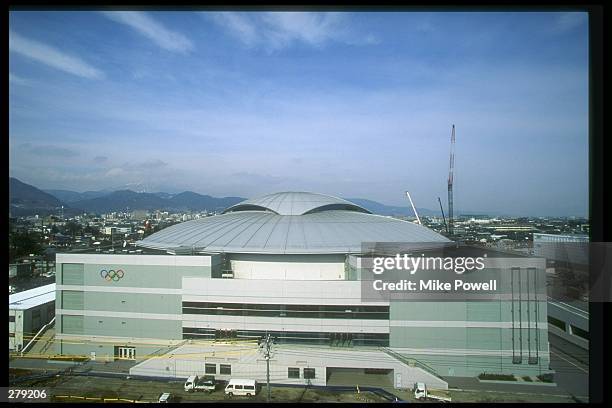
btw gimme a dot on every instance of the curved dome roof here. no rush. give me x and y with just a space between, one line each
289 223
296 203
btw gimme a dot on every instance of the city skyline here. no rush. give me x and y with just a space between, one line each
347 104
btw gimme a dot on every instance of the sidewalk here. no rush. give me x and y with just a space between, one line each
472 383
44 345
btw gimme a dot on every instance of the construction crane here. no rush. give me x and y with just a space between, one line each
450 183
414 208
443 219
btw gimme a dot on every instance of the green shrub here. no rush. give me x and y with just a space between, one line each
496 377
547 378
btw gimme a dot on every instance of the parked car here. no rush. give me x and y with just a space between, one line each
195 383
166 397
241 387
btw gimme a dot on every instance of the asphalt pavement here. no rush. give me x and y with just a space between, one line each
571 365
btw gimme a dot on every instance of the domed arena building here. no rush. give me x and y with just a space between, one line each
203 293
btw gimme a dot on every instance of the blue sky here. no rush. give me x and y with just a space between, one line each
348 104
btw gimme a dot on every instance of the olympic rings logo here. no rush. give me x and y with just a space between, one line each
111 275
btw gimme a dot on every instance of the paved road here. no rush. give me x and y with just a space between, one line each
571 364
472 383
40 365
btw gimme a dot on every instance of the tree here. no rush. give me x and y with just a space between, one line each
95 231
22 244
73 228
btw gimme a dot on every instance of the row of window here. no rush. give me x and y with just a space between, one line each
356 339
274 306
292 311
294 372
224 369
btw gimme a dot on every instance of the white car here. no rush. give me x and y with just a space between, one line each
166 397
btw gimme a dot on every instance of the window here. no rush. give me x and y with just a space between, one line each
225 369
225 334
309 373
579 332
11 318
278 310
556 322
210 368
238 387
125 353
293 372
249 387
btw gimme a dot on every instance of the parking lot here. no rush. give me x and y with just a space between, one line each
73 388
76 388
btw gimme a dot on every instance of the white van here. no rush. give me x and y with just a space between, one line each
241 387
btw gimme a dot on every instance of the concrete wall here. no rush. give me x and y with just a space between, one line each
279 292
143 302
572 317
143 308
247 362
28 322
16 328
296 267
469 337
331 292
104 351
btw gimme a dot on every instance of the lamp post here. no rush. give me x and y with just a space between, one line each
265 345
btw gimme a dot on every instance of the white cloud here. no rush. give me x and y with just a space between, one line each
311 28
52 57
238 25
278 30
153 30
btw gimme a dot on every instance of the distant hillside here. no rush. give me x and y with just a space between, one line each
120 201
382 209
128 199
68 196
164 195
25 199
193 201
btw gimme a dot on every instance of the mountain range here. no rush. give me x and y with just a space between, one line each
26 199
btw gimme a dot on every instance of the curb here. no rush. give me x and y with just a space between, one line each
536 383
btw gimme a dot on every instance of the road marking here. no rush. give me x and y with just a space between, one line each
578 367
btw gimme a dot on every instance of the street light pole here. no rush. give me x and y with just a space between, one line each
265 346
268 375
